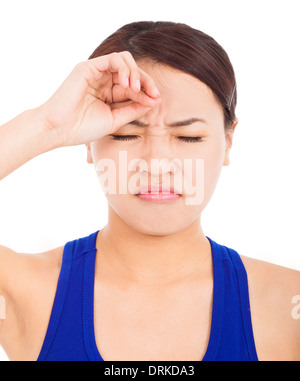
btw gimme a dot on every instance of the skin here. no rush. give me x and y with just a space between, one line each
156 275
150 258
171 258
164 252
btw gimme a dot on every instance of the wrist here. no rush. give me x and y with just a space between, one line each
23 138
45 136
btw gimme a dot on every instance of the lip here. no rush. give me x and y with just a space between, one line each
157 189
158 197
158 193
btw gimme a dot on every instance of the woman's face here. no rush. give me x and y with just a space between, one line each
159 152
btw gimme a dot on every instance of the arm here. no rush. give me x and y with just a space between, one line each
79 112
275 316
23 138
28 285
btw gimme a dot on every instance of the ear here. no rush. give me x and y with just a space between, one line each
89 158
229 138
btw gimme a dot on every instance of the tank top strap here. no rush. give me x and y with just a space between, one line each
231 336
59 301
243 289
88 300
91 242
69 313
218 302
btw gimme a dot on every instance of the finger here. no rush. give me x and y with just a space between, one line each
127 72
114 63
120 68
126 114
138 78
135 77
149 85
119 94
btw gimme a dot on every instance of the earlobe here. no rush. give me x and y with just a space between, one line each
228 138
89 158
226 158
235 123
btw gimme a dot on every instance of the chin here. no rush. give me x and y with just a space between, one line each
154 219
156 226
156 232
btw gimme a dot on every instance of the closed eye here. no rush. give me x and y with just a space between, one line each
124 137
190 139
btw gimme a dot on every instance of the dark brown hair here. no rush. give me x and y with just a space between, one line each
181 47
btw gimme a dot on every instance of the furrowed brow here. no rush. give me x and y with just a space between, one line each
182 123
187 122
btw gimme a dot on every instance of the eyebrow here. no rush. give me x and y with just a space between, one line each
181 123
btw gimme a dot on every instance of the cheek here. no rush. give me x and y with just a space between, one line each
203 171
213 164
99 150
104 155
105 164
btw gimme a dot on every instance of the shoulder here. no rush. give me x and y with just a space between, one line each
273 292
19 269
28 285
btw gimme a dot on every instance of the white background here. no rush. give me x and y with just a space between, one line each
56 197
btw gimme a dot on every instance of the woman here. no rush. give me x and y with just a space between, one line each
155 106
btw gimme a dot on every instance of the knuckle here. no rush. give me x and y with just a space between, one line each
115 55
127 53
118 59
81 67
128 57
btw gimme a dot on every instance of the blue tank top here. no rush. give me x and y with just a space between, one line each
70 335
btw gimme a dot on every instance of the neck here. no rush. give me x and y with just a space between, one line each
153 259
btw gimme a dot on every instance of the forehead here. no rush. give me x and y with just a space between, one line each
183 95
182 92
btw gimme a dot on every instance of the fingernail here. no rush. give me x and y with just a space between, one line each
138 84
156 92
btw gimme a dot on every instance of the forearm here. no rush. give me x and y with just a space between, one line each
22 139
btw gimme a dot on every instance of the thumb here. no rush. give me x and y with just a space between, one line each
126 114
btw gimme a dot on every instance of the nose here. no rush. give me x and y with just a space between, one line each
157 157
161 167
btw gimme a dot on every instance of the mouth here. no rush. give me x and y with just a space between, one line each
157 189
158 193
